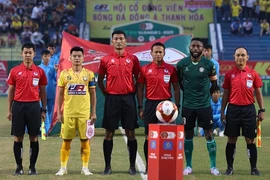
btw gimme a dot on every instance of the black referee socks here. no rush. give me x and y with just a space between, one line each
132 148
18 152
252 154
107 151
34 150
230 152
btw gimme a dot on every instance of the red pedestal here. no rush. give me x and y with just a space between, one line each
165 152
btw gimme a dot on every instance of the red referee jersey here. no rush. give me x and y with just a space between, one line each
27 82
241 85
120 72
158 80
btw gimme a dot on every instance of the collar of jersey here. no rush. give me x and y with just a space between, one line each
156 66
245 69
30 68
116 55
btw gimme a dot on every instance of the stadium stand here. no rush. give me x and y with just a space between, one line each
37 21
259 47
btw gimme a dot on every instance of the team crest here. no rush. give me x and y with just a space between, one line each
201 69
127 60
35 73
233 76
85 78
68 78
166 70
112 60
149 70
248 75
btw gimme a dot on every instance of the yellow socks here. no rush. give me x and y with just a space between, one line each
64 153
85 152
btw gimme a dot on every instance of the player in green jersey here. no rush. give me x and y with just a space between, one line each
195 74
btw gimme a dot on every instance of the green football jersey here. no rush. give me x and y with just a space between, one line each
195 78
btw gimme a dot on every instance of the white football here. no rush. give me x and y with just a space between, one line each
166 111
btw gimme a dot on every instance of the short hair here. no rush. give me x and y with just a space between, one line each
76 48
216 88
51 45
119 32
239 48
207 46
29 45
45 52
158 44
197 39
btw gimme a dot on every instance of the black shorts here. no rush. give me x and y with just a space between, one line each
120 107
149 114
238 117
25 114
203 115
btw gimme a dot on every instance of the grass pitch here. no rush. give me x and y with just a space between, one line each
49 162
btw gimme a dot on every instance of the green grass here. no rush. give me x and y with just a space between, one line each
48 162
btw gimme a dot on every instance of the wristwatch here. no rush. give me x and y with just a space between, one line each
261 110
140 107
43 110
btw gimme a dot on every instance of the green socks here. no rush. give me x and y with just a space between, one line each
212 149
188 146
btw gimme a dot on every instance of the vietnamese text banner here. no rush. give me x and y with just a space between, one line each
103 14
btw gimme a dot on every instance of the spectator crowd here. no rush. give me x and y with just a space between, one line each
246 10
37 21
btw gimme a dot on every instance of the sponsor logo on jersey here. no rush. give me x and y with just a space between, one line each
76 89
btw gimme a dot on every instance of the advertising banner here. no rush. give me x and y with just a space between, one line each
102 15
140 32
3 77
262 67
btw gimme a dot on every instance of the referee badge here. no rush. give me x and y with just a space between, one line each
166 78
249 83
35 81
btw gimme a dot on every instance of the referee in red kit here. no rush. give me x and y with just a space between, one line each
158 77
239 86
27 83
120 68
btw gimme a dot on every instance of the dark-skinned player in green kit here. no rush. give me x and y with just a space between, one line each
195 74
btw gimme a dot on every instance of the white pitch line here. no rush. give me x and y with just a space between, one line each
139 161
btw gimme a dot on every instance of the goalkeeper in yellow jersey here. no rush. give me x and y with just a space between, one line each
77 92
